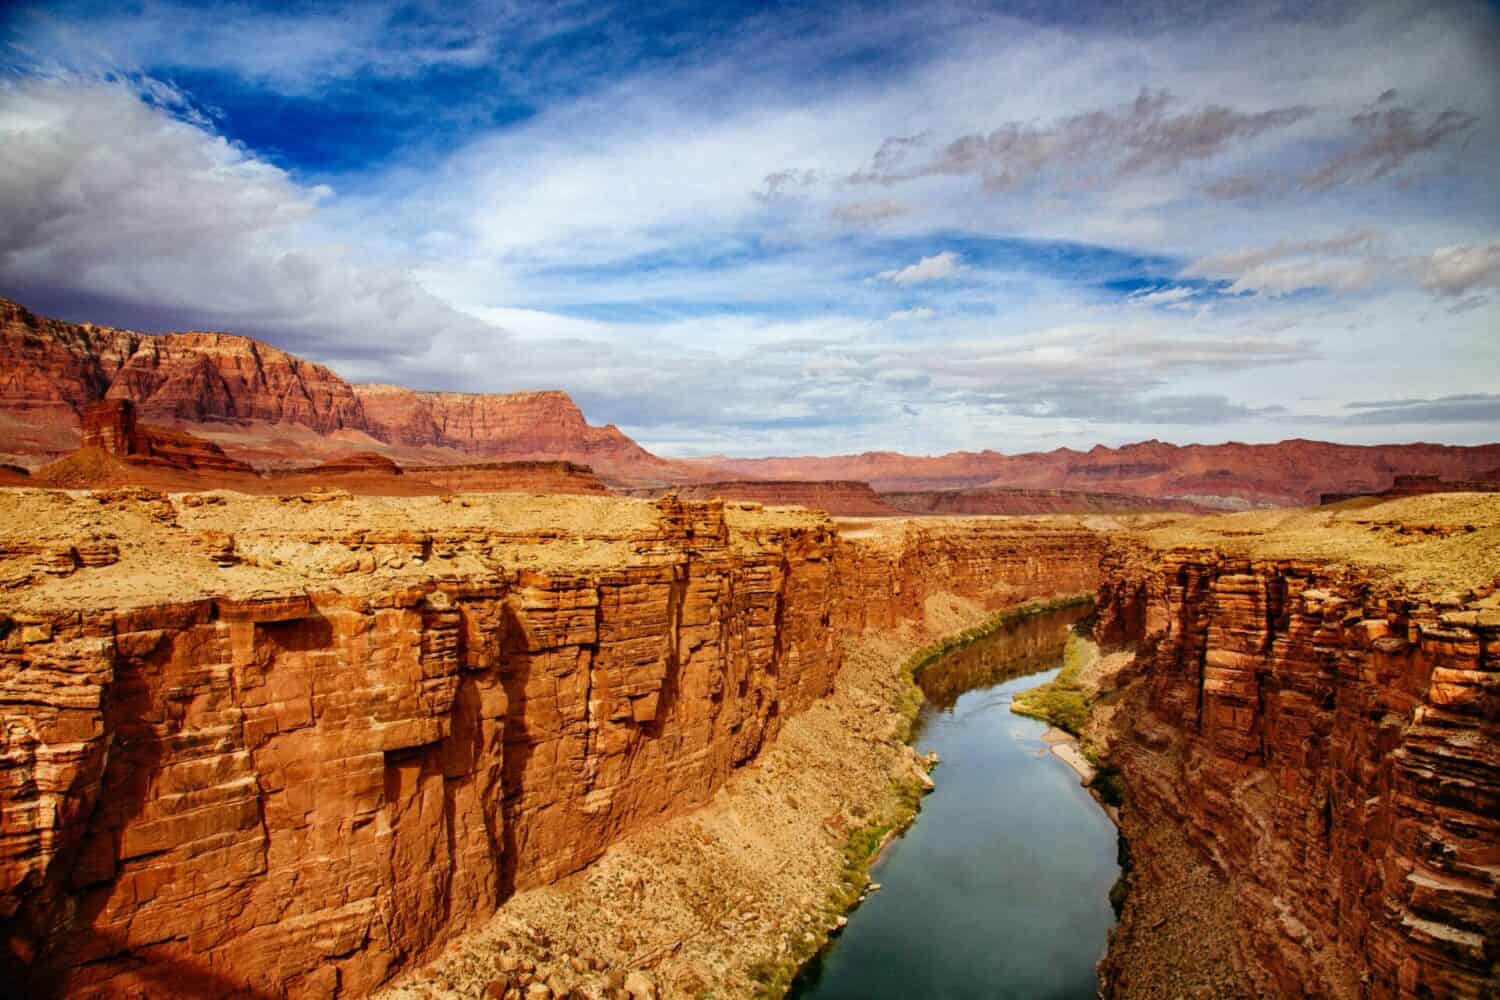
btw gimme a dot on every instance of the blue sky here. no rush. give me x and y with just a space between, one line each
794 228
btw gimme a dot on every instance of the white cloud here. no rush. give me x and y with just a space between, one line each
935 268
113 200
1455 270
610 244
1173 297
1351 262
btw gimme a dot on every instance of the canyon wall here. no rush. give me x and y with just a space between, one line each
1326 739
276 746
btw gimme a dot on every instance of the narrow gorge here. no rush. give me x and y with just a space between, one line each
308 745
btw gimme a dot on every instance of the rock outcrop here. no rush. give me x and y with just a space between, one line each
518 425
286 746
510 477
1326 737
117 451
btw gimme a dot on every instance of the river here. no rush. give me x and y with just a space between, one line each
1000 888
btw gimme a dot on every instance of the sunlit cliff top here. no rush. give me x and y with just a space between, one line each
1442 542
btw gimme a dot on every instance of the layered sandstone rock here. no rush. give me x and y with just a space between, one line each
54 370
288 745
511 477
1324 736
520 424
1416 486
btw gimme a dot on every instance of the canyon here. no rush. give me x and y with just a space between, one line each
298 745
289 745
318 689
273 410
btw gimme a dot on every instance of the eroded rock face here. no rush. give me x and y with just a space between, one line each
523 477
520 424
296 792
54 370
111 426
1328 743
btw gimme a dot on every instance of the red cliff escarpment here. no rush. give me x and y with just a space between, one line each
1323 733
288 745
192 377
270 407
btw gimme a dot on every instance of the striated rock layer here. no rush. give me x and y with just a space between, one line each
270 406
286 746
1325 738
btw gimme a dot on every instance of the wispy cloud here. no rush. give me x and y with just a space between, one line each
944 264
1141 136
1350 262
1386 138
1457 270
1174 297
1465 408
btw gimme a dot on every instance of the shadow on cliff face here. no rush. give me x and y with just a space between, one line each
136 974
89 958
515 671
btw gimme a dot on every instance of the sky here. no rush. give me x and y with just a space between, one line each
793 228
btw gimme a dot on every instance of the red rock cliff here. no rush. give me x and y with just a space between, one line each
1327 741
53 370
288 746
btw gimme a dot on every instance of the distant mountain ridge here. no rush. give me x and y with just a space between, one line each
272 409
1230 475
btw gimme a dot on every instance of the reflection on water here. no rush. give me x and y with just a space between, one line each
1025 647
1001 887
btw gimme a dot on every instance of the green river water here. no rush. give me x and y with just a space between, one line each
1000 889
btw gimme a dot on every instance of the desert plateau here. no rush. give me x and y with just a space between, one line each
717 501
